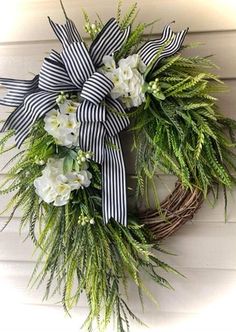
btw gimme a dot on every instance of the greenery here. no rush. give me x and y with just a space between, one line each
79 257
179 129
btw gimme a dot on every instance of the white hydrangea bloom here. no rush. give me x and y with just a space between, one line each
48 187
63 191
55 187
127 78
62 124
109 62
79 180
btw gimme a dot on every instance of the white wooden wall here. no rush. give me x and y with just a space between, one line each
205 248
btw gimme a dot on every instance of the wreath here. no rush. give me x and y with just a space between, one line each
69 179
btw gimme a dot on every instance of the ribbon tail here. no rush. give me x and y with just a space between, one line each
91 130
116 118
66 33
174 46
17 90
91 138
170 43
114 182
95 136
22 119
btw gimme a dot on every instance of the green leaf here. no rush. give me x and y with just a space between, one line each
68 164
159 96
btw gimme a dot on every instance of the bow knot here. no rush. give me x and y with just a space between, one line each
96 88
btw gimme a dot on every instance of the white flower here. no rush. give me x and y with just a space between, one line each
63 191
55 187
109 62
62 124
68 107
44 189
52 186
132 61
52 121
54 167
127 79
79 180
69 122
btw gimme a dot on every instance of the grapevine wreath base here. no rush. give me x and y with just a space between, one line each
178 207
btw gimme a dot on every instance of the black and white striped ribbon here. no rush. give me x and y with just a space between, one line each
17 90
109 40
66 33
101 118
169 41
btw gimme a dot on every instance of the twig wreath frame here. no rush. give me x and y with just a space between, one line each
175 210
69 177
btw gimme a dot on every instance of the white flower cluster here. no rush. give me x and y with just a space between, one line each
62 123
55 187
127 78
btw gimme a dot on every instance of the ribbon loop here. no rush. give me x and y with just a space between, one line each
53 76
107 41
78 63
35 106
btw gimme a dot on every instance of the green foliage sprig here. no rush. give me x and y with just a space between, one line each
179 129
77 256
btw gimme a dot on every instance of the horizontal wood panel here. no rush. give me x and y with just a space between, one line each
24 60
196 245
203 245
199 289
21 60
220 45
13 248
227 100
26 316
37 318
27 20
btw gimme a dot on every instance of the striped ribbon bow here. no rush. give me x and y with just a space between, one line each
101 117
